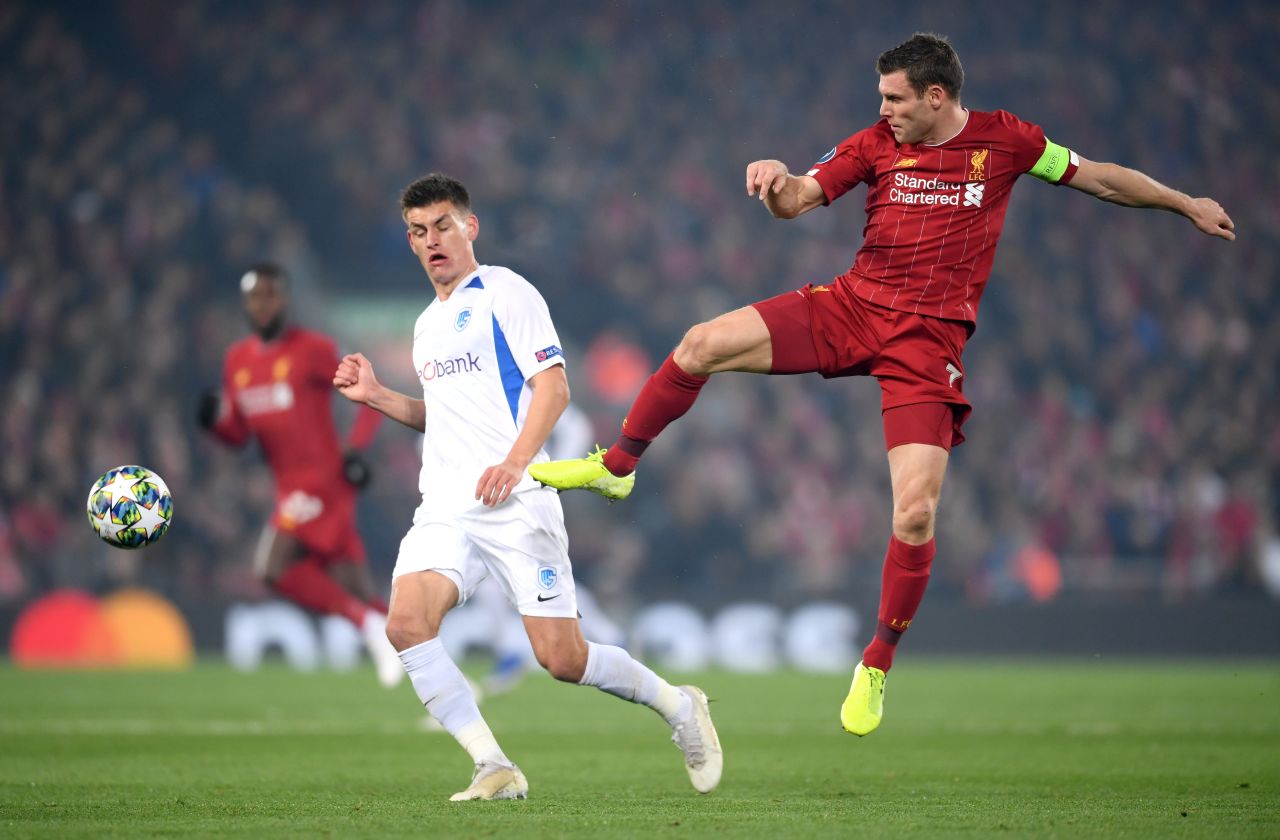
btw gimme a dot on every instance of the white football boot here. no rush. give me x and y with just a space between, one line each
494 781
697 739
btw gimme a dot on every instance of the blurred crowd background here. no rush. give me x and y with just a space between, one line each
1126 435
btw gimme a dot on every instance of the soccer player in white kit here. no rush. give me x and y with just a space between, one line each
513 657
493 382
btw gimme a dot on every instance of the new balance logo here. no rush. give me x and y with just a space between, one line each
973 194
954 373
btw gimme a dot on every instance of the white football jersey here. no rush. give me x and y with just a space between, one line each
474 354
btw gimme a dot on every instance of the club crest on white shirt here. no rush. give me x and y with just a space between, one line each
464 318
547 577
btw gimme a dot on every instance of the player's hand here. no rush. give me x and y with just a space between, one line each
356 469
354 378
766 176
497 482
1210 218
208 407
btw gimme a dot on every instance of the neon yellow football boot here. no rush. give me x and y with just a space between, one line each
861 711
587 473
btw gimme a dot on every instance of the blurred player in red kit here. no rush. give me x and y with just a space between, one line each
938 178
277 388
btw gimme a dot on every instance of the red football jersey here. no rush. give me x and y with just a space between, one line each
281 393
935 212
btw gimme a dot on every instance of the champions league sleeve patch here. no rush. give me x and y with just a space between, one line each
828 156
549 353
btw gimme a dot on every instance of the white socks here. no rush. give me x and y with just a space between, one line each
613 671
444 691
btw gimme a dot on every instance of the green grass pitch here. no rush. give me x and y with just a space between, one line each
973 748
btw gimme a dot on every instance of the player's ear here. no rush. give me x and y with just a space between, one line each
473 227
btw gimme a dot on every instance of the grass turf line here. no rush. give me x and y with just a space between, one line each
967 749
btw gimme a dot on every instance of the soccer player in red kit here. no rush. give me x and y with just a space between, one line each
938 178
276 387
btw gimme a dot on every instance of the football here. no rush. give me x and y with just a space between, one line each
130 507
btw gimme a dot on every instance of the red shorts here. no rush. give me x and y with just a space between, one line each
323 522
916 358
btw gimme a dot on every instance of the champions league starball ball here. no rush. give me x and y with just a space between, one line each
130 507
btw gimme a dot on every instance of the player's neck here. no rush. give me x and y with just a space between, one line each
951 121
272 331
443 290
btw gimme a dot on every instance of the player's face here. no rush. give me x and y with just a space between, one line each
911 116
264 301
442 237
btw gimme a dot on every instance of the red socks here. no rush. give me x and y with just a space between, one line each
906 574
666 396
309 586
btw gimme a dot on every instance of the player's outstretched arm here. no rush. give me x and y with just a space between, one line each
1131 188
550 396
785 195
354 379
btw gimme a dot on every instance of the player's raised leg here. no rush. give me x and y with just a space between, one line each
917 471
567 656
419 602
737 340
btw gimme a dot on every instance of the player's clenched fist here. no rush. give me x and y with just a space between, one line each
354 378
766 176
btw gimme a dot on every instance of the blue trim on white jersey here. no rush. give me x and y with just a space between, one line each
475 283
512 378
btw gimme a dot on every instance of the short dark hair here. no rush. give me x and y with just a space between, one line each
268 270
929 59
433 188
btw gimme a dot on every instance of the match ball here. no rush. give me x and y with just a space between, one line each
130 507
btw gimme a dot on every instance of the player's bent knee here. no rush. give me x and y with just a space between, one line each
406 631
566 667
697 351
913 521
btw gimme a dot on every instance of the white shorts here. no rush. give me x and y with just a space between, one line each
521 543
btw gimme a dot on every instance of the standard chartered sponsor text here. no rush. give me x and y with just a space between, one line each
914 182
923 198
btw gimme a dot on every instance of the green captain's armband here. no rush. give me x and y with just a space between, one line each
1056 162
